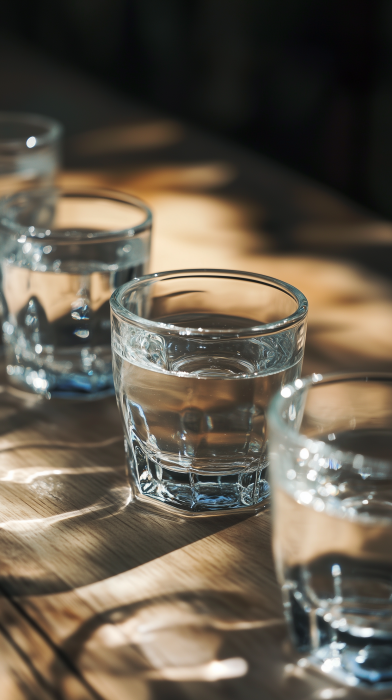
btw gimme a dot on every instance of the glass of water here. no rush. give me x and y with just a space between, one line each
197 355
29 151
63 252
331 472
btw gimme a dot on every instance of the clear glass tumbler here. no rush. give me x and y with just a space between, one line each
197 355
29 151
331 472
63 252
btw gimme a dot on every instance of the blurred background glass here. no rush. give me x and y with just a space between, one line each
29 156
330 452
63 252
29 151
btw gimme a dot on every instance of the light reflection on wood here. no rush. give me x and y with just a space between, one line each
350 317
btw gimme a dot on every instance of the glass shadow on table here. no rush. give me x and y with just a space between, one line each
66 515
191 644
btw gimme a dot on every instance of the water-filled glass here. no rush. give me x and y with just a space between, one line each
197 355
331 472
29 151
63 252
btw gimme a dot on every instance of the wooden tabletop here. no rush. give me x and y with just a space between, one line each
102 597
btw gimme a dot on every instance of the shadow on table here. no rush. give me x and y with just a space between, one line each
191 644
66 519
91 543
235 211
179 638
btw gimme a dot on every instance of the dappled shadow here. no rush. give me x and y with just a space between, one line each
67 517
197 224
167 645
178 638
93 541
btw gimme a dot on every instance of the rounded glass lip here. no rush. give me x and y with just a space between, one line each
33 232
274 416
260 329
54 130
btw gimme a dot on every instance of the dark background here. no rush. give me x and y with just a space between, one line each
307 82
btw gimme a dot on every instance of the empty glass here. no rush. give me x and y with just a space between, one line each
63 252
331 473
29 151
197 355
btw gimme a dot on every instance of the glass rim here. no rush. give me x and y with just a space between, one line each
68 191
171 329
304 384
53 130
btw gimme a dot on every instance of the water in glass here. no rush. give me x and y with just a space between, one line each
333 550
57 327
194 412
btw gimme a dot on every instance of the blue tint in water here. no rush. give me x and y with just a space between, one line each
194 412
57 329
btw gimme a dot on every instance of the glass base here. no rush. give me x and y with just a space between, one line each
65 386
194 492
361 660
363 665
73 372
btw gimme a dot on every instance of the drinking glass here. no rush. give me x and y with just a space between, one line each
29 151
197 355
331 472
29 155
63 252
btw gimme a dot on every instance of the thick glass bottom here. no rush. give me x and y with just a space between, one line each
194 492
358 655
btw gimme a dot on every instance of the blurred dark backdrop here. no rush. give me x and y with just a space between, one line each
308 82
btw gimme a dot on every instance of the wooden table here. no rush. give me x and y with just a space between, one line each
103 598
